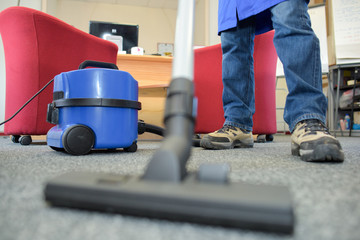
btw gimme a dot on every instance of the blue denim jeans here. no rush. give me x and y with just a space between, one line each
298 49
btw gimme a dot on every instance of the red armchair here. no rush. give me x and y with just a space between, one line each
208 87
37 47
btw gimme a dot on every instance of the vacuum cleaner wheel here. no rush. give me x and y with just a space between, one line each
57 149
131 148
78 139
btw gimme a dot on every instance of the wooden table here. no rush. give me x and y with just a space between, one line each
153 74
147 70
152 98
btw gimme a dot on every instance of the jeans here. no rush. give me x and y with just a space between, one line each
298 49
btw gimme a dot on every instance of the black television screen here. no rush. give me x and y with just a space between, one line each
129 33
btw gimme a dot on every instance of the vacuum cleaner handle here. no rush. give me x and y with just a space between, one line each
169 161
91 63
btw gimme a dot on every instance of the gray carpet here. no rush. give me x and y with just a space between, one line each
326 196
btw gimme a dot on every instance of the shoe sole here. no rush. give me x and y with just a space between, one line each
322 153
207 144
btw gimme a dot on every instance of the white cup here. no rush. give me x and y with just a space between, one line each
137 51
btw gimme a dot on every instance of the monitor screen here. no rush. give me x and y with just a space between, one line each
129 33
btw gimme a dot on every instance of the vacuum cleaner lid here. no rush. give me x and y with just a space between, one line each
95 83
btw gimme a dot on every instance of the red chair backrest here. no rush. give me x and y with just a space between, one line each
38 47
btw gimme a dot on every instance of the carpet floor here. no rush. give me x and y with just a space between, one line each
326 196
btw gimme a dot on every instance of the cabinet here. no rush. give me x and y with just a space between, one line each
344 98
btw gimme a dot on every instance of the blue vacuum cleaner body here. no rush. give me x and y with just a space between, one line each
94 108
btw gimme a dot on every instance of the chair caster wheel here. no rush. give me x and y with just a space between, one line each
269 138
25 140
15 138
261 138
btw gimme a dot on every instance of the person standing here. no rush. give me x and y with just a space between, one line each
298 49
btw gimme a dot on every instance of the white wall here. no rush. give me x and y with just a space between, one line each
156 25
213 23
36 4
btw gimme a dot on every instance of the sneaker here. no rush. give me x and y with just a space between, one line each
228 137
312 141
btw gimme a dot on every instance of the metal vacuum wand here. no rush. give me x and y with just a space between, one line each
168 163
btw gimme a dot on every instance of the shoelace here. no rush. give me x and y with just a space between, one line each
226 128
313 126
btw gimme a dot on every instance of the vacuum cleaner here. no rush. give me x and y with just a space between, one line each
167 190
95 108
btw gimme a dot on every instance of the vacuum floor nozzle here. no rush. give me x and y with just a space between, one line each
239 205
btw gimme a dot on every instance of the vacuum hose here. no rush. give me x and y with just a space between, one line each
146 127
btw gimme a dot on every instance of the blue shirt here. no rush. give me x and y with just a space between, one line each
245 8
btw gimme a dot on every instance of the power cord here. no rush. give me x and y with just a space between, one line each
42 89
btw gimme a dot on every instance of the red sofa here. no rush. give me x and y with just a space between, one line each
37 47
208 86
